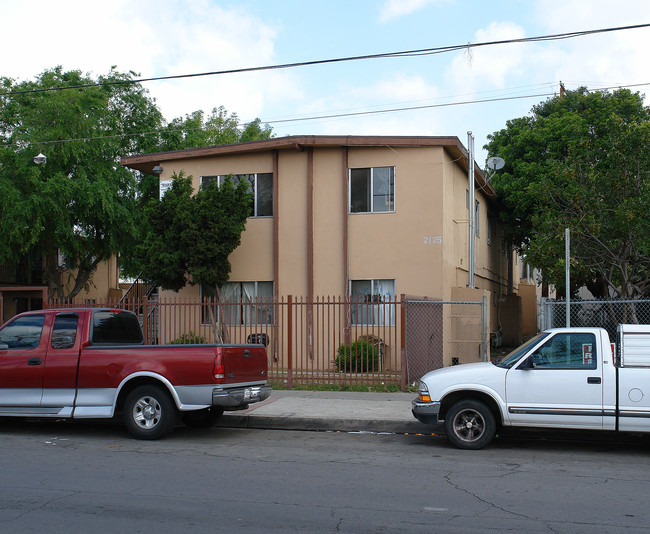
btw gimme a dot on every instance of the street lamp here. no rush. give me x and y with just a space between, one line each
40 159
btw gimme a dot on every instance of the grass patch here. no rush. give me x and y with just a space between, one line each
385 388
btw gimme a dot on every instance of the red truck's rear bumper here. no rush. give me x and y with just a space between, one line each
238 398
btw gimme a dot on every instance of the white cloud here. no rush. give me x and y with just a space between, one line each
397 8
577 15
600 60
399 91
399 88
153 38
490 66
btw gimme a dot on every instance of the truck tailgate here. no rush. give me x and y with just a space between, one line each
244 363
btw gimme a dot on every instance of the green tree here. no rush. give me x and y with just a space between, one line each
580 161
196 130
191 235
218 128
79 205
82 206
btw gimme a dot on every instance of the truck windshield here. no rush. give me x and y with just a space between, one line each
514 356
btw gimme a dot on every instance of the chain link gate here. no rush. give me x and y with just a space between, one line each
441 333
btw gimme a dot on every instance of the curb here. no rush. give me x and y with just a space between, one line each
322 424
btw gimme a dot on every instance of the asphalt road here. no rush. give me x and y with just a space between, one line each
69 477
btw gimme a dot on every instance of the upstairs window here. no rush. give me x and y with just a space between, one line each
372 190
260 184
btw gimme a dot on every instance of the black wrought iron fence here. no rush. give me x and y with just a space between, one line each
326 340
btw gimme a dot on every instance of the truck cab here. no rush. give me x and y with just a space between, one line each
569 378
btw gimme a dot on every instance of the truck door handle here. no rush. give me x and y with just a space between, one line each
34 361
593 380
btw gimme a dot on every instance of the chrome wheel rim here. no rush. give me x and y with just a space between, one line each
469 425
147 412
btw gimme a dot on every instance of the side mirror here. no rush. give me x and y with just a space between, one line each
4 346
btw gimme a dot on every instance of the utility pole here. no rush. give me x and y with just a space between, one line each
567 259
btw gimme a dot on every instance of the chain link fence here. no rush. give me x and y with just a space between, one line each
441 333
607 314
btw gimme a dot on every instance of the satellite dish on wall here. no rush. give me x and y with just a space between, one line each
495 163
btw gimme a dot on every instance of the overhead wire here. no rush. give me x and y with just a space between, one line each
420 52
328 116
407 53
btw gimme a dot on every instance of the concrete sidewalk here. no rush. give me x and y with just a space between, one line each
330 410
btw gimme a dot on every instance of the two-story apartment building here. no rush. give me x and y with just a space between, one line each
366 216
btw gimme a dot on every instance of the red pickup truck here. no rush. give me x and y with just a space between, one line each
92 363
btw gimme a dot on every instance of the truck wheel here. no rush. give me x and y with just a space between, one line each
149 412
470 424
202 418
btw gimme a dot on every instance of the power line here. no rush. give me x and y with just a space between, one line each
327 116
411 108
407 53
428 106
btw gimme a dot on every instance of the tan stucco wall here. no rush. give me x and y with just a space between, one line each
292 224
396 245
491 265
329 209
465 337
103 283
456 227
423 245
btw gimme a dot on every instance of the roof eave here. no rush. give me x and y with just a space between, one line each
451 144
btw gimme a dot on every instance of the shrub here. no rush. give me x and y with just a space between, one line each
188 339
361 356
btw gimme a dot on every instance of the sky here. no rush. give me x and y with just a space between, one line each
475 89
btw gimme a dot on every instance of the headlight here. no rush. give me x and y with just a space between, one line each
423 392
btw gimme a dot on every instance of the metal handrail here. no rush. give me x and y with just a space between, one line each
135 284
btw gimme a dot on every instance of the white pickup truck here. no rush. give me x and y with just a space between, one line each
568 378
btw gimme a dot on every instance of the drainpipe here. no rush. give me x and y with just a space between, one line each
472 208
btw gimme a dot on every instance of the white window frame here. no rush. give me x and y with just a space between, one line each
242 315
372 188
221 177
379 308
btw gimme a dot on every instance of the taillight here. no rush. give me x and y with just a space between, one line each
219 371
